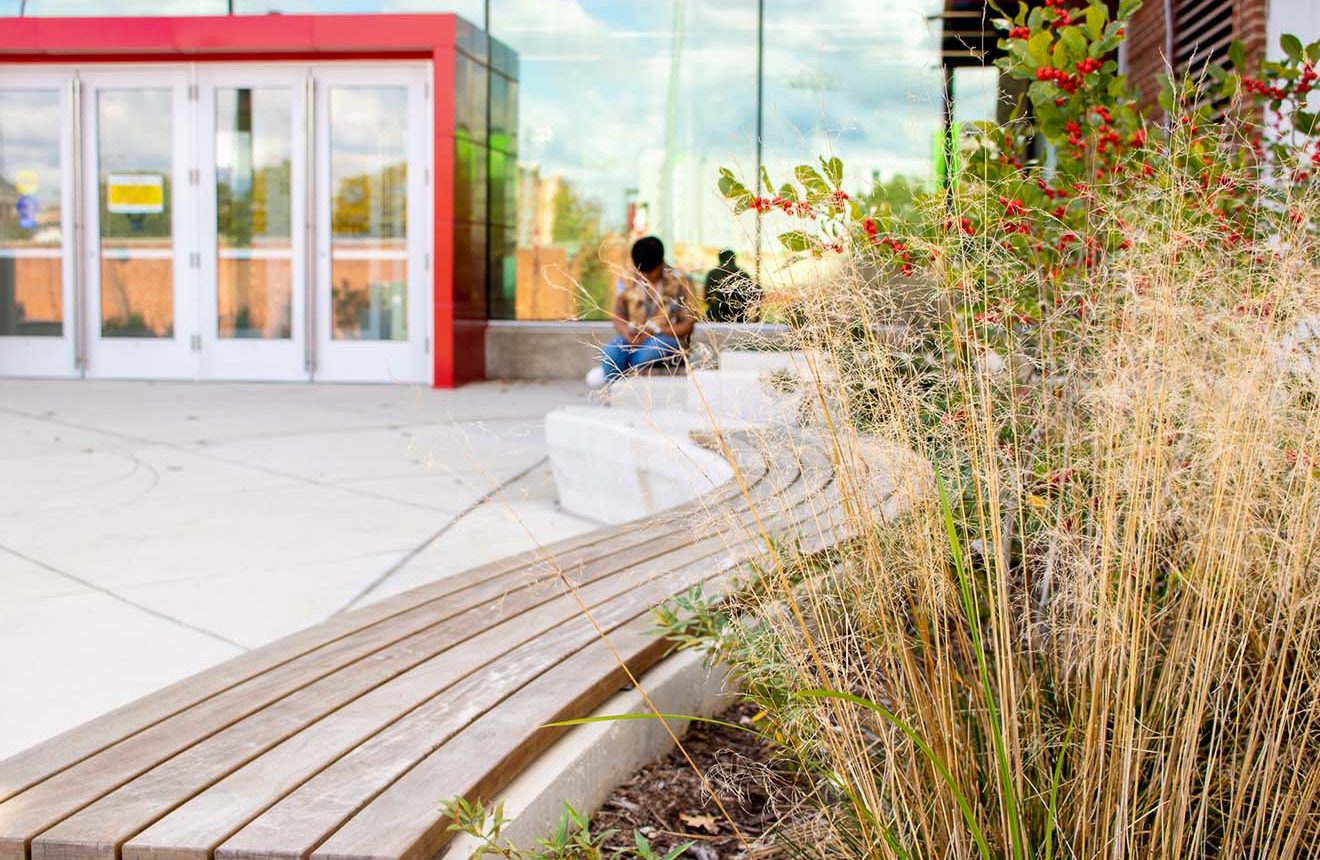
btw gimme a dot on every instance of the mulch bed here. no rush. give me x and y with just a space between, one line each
667 802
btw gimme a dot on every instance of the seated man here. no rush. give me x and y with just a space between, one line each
653 316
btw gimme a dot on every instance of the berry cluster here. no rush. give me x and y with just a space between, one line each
1069 83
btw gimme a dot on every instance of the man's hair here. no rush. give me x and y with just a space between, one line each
647 253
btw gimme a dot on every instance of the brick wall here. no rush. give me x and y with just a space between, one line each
1195 38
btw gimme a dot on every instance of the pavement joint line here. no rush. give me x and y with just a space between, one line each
100 589
201 451
417 550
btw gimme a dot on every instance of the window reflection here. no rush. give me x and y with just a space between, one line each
31 229
254 265
369 213
627 110
862 83
136 171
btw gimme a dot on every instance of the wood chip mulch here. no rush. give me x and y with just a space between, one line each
667 802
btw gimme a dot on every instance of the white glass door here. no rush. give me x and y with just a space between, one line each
140 250
252 130
36 222
373 269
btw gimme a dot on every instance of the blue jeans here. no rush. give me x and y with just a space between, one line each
618 356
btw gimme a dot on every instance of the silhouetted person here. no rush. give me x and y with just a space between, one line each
731 294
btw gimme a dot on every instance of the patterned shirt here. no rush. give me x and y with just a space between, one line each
666 305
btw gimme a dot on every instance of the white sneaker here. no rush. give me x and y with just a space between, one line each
596 377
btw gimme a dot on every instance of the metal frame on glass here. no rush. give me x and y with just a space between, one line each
46 355
359 359
265 356
166 355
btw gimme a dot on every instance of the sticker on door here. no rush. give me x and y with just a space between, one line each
135 193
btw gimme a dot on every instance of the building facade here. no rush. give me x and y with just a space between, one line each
356 190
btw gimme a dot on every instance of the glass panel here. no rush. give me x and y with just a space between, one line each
369 214
975 94
126 7
626 112
254 271
10 8
31 234
503 114
470 182
863 83
134 140
470 81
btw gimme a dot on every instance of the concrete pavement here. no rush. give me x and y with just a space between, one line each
148 530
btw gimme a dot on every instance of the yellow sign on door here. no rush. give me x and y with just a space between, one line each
135 193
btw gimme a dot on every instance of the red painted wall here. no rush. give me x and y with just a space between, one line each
299 37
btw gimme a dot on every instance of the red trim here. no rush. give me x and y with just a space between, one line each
269 38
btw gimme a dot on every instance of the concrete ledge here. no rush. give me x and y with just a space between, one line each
618 464
585 765
567 350
647 392
733 397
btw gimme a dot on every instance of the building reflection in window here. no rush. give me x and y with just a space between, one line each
627 110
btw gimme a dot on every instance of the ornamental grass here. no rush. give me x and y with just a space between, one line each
1091 629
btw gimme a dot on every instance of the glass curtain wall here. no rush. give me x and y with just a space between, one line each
628 108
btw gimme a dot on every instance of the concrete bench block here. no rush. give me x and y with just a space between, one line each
647 393
742 397
753 361
617 464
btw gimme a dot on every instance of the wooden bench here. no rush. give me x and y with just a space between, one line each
341 740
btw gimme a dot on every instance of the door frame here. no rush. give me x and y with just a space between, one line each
55 357
252 358
174 357
365 360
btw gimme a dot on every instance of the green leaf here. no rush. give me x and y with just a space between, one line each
767 186
1127 8
1313 51
1038 47
1096 18
787 191
1076 42
1304 121
730 187
1292 46
1237 54
810 179
796 241
833 168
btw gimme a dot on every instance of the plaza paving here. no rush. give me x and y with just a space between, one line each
148 530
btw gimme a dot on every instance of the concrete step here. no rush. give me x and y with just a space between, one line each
617 464
744 397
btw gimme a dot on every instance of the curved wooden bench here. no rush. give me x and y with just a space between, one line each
340 741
